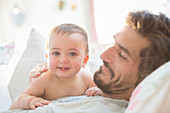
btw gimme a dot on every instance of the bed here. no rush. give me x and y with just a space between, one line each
151 96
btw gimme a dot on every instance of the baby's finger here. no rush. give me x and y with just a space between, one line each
90 93
97 94
87 93
33 107
45 102
39 105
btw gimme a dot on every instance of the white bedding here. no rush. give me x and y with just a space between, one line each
5 99
19 67
6 72
80 104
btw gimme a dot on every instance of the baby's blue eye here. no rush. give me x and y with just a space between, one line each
56 53
72 54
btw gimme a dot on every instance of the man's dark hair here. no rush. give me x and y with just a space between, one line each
156 29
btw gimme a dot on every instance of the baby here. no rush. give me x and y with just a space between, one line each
67 52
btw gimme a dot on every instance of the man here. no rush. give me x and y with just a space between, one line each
140 47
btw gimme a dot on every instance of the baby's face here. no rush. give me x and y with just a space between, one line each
66 55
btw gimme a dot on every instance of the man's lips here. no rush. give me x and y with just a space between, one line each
105 69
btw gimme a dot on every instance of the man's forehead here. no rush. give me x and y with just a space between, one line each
132 41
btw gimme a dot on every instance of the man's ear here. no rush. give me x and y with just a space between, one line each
85 60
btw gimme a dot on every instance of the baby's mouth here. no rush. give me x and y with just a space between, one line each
63 68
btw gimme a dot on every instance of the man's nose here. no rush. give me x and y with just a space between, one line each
108 55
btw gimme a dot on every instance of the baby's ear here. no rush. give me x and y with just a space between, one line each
46 55
85 60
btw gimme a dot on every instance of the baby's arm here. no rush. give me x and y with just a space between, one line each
14 105
26 101
31 102
22 102
29 98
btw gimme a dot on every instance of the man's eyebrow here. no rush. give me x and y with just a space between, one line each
123 48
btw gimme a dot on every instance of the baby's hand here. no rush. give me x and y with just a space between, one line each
38 102
94 91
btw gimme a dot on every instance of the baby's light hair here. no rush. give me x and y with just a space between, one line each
65 30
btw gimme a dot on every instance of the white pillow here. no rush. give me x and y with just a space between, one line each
33 55
152 95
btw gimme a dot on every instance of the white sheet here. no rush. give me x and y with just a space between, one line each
80 104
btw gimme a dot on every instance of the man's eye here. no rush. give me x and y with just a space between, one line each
56 53
72 54
120 54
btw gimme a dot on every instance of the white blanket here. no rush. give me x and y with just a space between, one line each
80 104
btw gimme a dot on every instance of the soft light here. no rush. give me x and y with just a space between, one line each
16 11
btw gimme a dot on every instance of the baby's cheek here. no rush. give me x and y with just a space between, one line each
52 65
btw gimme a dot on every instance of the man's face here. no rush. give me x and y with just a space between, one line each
118 74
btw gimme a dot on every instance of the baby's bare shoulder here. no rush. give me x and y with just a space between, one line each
38 85
44 78
47 75
85 74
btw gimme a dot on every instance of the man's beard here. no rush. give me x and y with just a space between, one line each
105 86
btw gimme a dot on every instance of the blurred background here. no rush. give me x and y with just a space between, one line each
100 18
